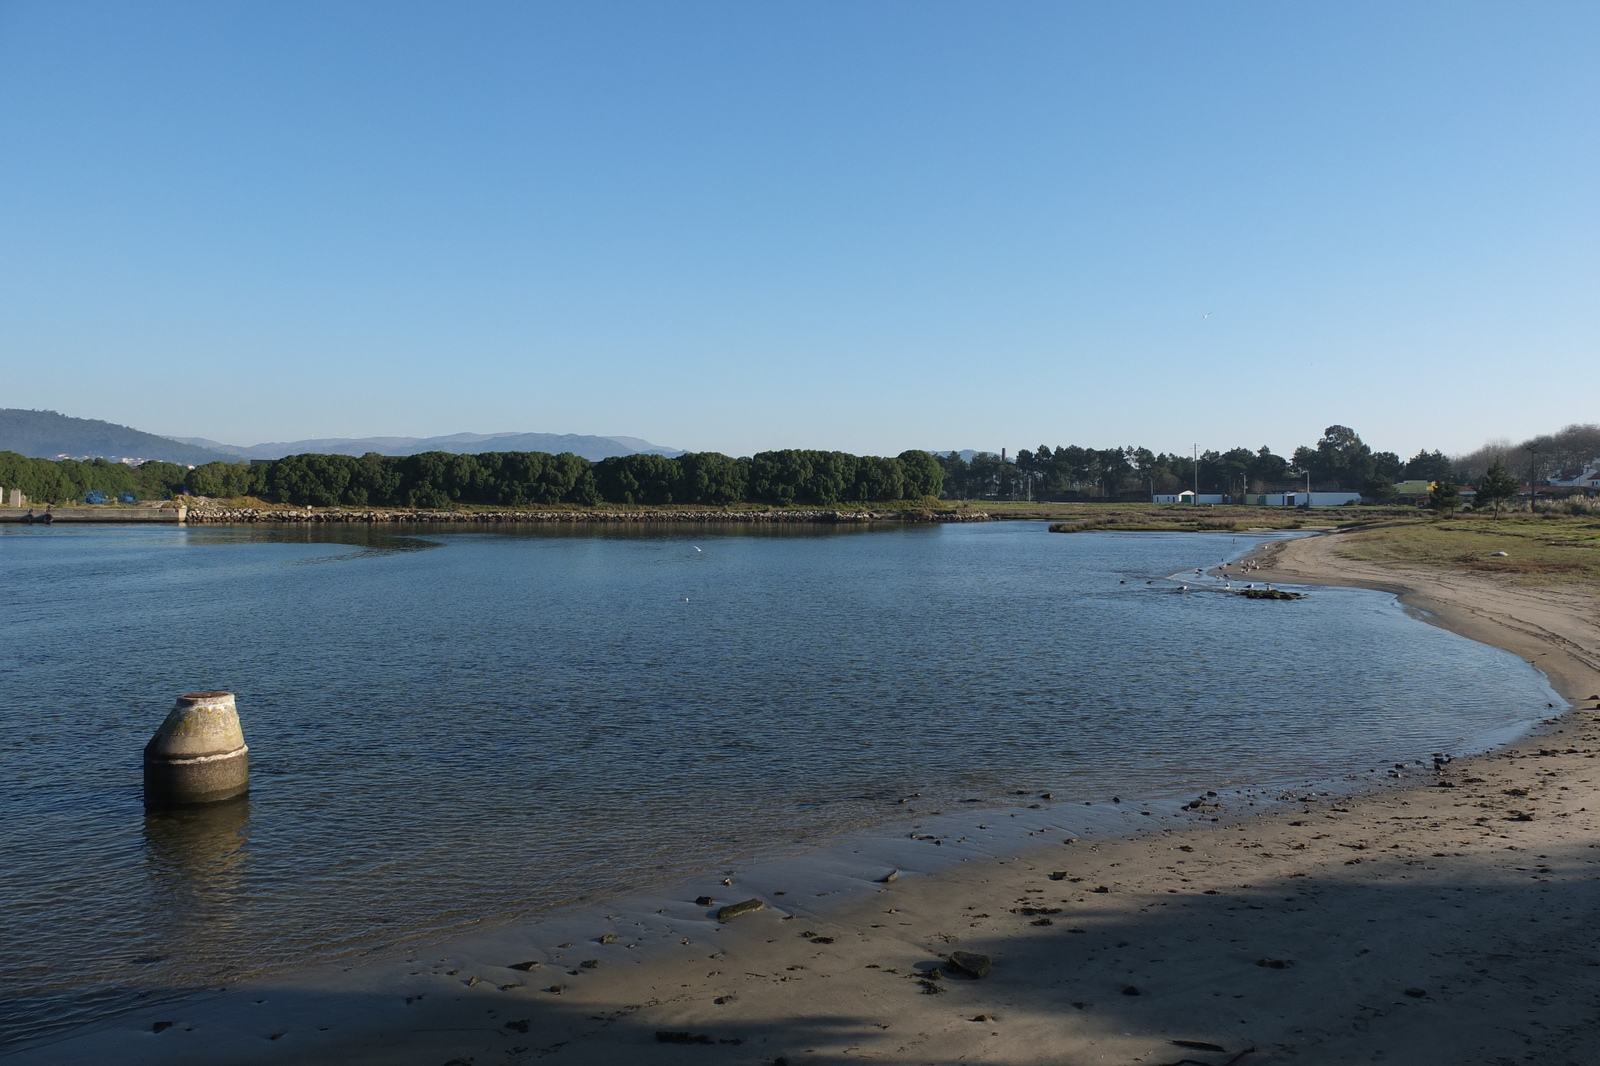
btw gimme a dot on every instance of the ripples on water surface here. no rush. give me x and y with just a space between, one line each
451 726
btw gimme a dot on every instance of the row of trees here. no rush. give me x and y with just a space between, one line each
516 479
1569 449
1339 460
61 480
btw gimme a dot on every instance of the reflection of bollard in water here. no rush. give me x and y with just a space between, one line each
198 755
195 874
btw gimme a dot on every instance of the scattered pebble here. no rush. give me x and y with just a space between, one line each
734 910
971 963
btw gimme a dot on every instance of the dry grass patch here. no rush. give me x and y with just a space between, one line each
1538 550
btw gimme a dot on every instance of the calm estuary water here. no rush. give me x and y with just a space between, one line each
454 726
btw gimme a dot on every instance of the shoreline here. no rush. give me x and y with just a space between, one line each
1300 931
1555 629
203 514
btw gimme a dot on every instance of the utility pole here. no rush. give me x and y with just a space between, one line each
1197 473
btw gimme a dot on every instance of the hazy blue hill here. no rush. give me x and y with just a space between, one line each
47 434
590 447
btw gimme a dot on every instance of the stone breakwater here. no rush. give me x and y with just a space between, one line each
339 515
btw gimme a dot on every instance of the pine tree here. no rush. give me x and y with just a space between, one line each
1497 486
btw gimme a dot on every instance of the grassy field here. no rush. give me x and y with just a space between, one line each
1540 549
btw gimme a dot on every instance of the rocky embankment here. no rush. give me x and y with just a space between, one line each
341 515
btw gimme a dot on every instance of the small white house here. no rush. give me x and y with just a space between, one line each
1587 478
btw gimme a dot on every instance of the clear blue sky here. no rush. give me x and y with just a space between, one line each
867 225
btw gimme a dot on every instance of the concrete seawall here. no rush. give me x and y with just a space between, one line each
80 515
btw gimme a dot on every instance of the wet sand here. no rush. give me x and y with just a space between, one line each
1451 918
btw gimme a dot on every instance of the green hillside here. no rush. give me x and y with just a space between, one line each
47 434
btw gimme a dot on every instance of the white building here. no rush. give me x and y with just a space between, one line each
1186 496
1302 499
1587 478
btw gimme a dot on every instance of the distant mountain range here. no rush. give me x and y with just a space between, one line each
591 448
47 435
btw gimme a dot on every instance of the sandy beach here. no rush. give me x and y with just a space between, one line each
1452 917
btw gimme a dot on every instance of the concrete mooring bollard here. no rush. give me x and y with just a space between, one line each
198 755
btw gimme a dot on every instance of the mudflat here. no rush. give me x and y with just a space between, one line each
1451 918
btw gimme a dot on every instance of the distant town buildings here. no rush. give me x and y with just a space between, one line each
1586 477
126 460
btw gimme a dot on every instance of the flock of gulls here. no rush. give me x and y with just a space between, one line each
1227 586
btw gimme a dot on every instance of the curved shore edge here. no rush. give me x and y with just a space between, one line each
1555 628
754 515
1457 920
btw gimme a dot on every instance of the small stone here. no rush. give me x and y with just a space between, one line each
703 901
1130 991
590 964
1100 888
889 878
971 963
982 1018
531 964
606 938
520 1025
1059 875
160 1027
1416 993
733 910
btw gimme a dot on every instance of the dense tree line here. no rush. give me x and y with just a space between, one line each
1339 460
63 480
517 479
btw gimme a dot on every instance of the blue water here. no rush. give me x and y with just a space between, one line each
450 726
